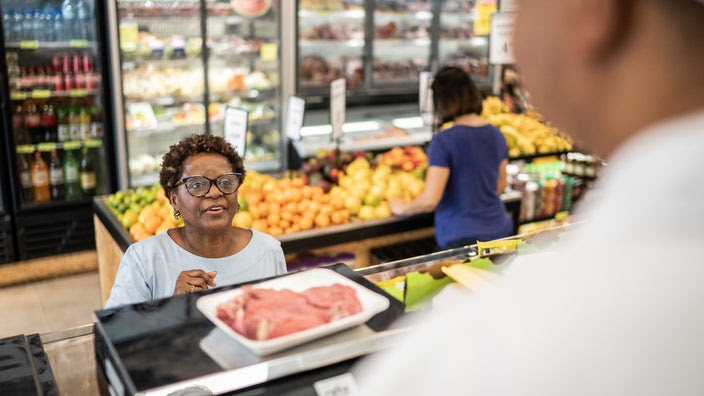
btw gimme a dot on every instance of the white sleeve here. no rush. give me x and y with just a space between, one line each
131 285
280 261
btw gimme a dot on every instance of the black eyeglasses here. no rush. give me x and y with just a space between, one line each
198 186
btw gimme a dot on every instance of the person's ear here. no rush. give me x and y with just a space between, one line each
172 197
596 28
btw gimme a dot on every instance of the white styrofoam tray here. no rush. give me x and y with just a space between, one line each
372 303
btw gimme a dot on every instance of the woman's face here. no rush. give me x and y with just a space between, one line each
215 210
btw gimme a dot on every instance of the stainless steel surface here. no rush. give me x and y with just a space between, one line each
392 269
72 358
118 106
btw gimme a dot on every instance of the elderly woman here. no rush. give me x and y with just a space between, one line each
200 175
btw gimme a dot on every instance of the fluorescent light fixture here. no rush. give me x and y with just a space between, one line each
362 126
424 15
408 122
316 130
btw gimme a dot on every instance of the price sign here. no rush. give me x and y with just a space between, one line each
25 149
269 52
78 44
41 93
29 44
484 9
18 96
340 385
337 107
78 93
236 128
425 97
46 147
294 117
501 39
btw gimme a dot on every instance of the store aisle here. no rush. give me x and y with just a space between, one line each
49 305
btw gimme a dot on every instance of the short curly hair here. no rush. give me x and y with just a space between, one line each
172 166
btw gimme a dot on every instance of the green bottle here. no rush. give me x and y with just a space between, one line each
71 176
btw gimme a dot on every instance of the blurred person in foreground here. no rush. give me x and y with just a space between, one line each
616 310
466 168
200 175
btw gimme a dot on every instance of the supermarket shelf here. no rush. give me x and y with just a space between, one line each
262 166
146 179
166 100
131 62
327 15
35 44
46 94
165 127
308 149
401 42
49 146
327 44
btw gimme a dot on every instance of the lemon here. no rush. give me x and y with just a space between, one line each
129 218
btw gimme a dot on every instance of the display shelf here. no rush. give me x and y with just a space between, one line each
327 15
164 127
396 15
306 149
47 147
132 62
36 44
168 100
402 42
327 44
46 94
145 179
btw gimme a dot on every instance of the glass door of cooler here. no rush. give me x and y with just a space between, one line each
56 101
331 45
163 82
463 44
401 45
243 69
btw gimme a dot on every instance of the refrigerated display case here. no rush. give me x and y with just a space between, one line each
59 151
171 82
381 46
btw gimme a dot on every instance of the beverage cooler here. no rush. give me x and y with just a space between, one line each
178 65
58 137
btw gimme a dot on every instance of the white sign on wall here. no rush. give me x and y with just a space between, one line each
501 38
337 107
425 97
236 128
294 117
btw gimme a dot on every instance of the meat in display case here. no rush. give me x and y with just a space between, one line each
175 83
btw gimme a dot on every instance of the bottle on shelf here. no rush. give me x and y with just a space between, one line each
32 122
62 126
96 123
49 121
57 26
7 22
72 181
18 126
83 123
40 179
38 32
87 173
83 17
56 176
27 24
68 13
73 124
16 33
25 172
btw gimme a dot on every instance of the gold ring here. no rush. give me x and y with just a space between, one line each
192 287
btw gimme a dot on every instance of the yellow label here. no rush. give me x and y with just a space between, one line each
269 52
503 245
78 43
29 44
482 22
18 96
25 149
562 215
78 93
129 36
72 145
46 147
93 143
41 93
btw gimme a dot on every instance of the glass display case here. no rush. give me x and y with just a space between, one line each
175 83
381 46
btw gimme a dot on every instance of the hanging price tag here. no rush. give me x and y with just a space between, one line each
78 44
25 149
294 117
425 97
46 147
18 96
501 39
337 107
41 93
72 145
236 128
336 386
78 93
484 9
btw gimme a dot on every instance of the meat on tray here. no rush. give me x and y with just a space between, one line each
262 314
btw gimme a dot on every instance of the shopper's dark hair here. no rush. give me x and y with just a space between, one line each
454 94
172 167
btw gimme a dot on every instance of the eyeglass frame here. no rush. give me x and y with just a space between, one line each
210 182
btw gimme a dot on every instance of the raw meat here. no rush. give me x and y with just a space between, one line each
262 314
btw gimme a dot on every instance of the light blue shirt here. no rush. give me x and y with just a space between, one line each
149 268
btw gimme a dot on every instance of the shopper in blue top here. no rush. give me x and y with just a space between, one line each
467 168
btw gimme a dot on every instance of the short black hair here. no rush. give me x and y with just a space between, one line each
172 167
454 94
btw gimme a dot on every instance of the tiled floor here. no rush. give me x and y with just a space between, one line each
49 305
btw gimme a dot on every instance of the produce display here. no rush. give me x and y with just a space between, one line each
143 211
526 134
262 314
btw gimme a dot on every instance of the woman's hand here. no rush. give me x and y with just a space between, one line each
194 280
397 206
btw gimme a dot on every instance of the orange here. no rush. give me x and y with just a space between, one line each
284 183
290 207
243 220
337 202
314 207
163 227
318 191
326 209
322 220
152 223
252 197
296 219
284 224
307 191
306 223
274 207
254 211
260 225
274 231
273 219
337 217
297 182
263 209
285 215
295 194
345 216
292 229
303 206
145 213
137 228
323 199
161 196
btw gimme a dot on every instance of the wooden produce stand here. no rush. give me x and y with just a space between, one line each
358 237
